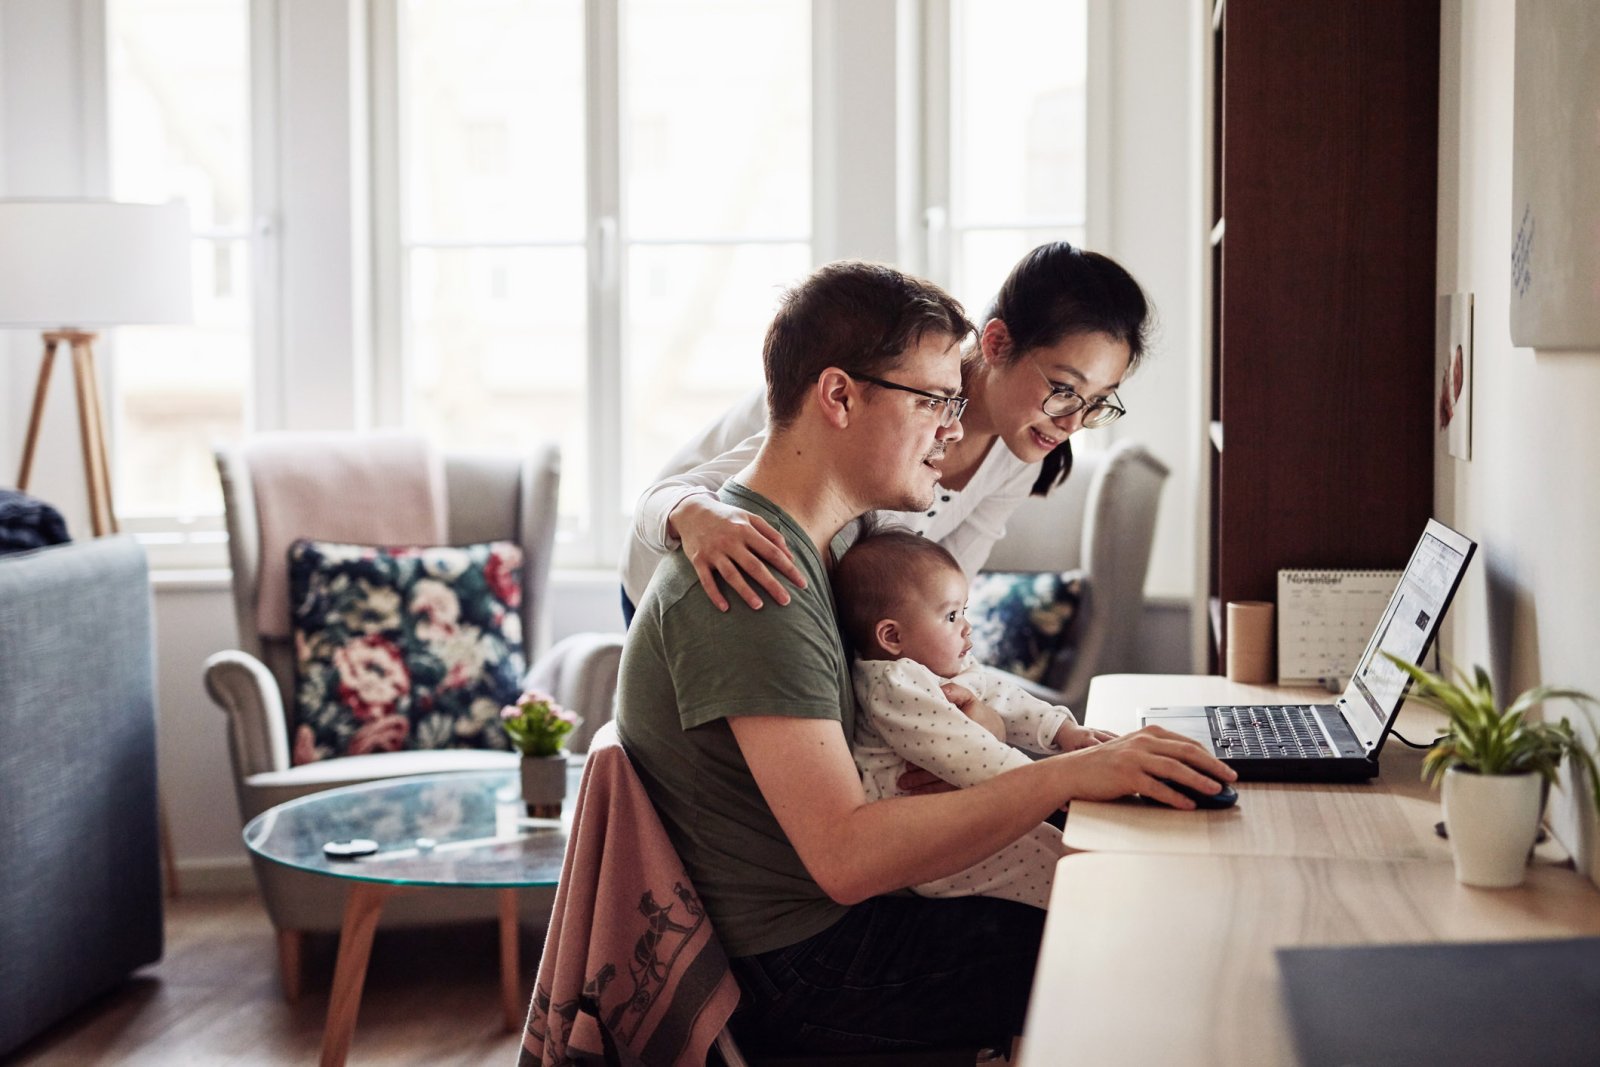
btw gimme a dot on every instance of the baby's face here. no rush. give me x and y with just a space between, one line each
933 622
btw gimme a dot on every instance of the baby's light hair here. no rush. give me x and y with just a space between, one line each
873 578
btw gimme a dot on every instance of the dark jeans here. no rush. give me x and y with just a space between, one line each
895 973
627 611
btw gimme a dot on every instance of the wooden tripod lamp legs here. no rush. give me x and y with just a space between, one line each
91 424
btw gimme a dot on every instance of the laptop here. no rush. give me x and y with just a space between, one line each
1338 742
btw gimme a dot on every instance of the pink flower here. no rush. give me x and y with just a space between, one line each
386 733
372 676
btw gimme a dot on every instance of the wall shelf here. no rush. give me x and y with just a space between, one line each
1322 294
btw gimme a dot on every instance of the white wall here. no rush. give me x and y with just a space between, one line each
1527 609
1149 224
46 154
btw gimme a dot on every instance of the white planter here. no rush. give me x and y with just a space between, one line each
1492 820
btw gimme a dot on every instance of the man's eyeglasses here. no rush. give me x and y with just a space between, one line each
948 408
1064 400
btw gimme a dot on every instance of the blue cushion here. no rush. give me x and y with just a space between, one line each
1022 620
403 648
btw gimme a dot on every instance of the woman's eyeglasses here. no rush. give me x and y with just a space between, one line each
949 408
1064 400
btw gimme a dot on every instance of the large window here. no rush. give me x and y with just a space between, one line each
1015 101
178 78
598 207
583 211
492 225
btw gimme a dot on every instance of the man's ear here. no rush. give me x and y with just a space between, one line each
836 395
995 342
887 634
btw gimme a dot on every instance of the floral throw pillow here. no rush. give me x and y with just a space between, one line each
1021 619
403 648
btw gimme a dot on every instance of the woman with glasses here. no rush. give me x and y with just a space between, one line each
1065 329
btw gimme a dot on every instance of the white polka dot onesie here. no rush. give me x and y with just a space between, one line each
903 717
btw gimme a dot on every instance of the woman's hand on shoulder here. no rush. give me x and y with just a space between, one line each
1143 762
720 539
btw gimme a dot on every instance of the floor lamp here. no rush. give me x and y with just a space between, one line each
69 265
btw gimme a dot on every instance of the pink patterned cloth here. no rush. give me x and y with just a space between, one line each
630 955
355 488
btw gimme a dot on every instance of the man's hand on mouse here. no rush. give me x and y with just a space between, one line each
1143 762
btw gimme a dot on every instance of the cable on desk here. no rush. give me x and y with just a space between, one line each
1400 737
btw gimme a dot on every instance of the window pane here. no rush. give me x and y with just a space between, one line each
497 343
492 119
180 127
717 118
696 320
1018 110
987 256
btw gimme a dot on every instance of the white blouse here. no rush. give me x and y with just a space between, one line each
966 521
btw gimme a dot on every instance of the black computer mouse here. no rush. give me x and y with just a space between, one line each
1204 801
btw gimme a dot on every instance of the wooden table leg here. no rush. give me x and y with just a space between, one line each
516 1006
361 913
289 942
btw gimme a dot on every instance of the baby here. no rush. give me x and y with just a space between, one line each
902 605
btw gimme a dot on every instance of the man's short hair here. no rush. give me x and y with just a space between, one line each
871 580
859 317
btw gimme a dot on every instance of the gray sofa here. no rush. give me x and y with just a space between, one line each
80 891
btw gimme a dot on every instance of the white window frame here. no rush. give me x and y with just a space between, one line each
598 541
941 230
877 65
195 543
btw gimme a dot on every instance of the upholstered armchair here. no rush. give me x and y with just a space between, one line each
1101 523
487 498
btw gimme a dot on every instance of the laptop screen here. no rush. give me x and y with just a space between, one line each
1408 625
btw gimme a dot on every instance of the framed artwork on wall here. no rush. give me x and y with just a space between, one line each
1555 251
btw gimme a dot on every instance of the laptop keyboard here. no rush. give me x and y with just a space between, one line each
1271 732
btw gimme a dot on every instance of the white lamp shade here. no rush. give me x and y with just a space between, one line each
83 263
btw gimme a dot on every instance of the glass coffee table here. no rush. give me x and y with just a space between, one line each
462 829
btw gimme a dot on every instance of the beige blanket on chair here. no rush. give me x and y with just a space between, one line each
357 488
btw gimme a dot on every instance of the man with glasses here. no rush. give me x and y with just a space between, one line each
738 721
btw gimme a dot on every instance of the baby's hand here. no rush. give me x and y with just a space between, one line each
1072 737
975 709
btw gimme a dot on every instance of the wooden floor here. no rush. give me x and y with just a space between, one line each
432 997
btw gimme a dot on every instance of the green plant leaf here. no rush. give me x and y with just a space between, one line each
1488 739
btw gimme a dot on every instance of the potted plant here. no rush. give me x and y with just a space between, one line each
1495 766
538 727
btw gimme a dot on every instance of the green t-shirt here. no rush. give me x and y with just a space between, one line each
686 669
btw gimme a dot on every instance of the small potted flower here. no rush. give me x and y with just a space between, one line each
1495 766
538 727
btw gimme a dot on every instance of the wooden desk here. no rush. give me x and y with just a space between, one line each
1390 817
1168 959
